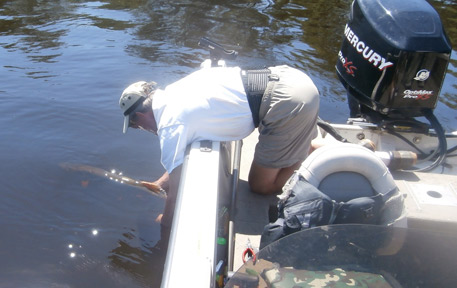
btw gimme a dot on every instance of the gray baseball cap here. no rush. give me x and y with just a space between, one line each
132 97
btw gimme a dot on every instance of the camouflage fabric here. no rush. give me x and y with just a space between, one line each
293 278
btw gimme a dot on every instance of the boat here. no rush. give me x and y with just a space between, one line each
218 222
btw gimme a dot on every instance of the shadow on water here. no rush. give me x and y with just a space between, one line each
64 65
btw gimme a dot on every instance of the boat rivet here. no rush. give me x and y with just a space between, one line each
360 136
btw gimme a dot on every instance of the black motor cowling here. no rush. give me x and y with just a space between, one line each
394 56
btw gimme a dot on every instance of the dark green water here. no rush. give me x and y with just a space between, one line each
63 65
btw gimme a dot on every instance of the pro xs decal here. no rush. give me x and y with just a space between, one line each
417 94
348 65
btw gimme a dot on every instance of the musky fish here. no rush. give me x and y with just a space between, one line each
115 176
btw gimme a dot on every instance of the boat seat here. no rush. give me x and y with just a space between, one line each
346 171
344 186
350 175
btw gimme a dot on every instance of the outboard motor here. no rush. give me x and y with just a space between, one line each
393 61
394 57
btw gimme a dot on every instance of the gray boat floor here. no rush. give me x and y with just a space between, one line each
430 201
251 209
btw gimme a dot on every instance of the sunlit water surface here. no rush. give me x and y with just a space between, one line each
63 65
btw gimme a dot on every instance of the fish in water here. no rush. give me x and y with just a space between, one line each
113 175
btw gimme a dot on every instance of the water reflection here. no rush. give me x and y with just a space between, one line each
145 262
33 25
262 31
306 35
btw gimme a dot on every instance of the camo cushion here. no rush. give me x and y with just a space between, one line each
338 277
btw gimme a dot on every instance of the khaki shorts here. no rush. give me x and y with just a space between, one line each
288 115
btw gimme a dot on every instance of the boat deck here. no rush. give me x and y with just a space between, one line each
430 205
251 209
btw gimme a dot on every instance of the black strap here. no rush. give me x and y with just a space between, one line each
255 82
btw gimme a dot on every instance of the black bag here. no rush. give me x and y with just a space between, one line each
303 206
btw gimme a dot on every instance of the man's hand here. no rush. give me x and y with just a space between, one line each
159 187
154 187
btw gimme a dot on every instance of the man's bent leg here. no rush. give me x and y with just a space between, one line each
266 181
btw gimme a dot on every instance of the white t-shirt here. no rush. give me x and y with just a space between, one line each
209 104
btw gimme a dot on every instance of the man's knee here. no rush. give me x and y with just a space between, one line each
262 188
267 181
262 179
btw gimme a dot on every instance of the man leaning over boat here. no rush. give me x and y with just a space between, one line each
227 104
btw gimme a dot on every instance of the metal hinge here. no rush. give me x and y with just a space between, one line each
206 146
